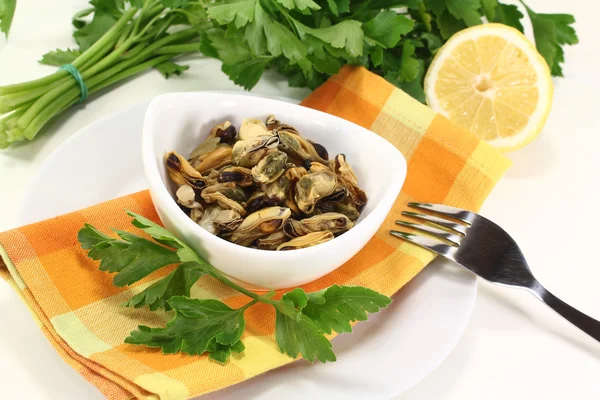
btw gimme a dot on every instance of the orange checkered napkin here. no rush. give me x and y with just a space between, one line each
80 310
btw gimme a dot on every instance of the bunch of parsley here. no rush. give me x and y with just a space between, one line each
306 40
210 326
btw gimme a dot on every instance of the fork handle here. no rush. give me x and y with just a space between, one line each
584 322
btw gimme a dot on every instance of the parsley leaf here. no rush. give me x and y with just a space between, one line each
60 57
347 35
177 283
169 68
551 32
77 21
301 336
133 257
241 12
161 235
7 12
387 27
175 3
300 5
89 34
489 7
280 40
246 73
334 308
449 25
509 15
199 326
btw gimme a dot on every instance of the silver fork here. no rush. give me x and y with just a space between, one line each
484 248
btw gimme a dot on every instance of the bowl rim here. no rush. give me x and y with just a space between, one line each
159 189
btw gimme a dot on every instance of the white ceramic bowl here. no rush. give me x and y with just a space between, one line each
179 121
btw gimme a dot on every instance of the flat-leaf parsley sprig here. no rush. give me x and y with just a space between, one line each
210 326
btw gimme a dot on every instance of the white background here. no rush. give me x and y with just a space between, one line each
513 347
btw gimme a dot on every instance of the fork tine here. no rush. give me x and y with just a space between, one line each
462 215
427 243
438 221
455 239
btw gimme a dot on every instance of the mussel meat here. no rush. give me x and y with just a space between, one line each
259 224
296 146
181 172
272 241
247 153
277 191
225 132
252 128
347 177
270 167
308 240
228 220
216 159
186 196
226 195
208 218
333 222
240 175
312 187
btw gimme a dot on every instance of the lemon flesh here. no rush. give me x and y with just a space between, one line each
491 80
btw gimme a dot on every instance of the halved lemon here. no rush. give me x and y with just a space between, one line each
491 80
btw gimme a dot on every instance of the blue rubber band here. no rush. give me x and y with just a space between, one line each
83 89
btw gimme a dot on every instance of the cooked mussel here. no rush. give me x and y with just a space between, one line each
225 132
227 220
252 128
186 196
208 219
266 186
240 175
181 172
345 207
259 224
272 241
308 240
277 191
312 187
270 167
333 222
248 153
298 147
293 228
347 177
218 158
226 195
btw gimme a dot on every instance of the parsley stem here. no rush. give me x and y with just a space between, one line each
255 296
179 48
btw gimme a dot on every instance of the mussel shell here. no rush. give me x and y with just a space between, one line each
308 240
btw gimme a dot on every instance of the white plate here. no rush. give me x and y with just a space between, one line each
382 358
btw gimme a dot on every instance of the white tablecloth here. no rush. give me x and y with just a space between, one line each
514 347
